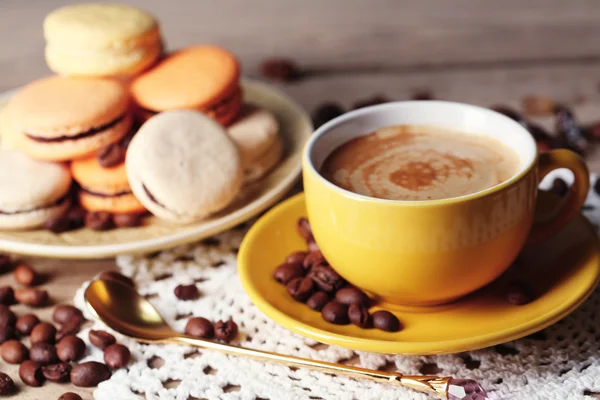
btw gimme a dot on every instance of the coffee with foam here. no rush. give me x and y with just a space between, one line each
409 162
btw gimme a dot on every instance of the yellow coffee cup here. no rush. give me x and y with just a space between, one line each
433 251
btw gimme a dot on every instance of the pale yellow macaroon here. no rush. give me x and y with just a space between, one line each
101 39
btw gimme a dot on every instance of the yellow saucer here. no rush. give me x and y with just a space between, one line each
564 271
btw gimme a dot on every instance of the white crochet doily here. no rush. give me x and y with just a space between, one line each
562 362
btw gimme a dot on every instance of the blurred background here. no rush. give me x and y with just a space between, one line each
478 51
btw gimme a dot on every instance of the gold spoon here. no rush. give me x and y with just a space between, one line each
121 308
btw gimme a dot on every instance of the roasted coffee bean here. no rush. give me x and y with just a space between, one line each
57 372
313 258
226 330
32 297
70 396
336 313
537 105
101 339
560 187
296 257
116 356
71 327
7 332
370 101
43 332
76 216
510 113
568 129
597 186
200 327
63 313
70 348
7 385
326 278
280 69
519 293
352 295
359 315
286 272
14 352
317 301
89 374
6 263
386 321
312 245
187 292
111 155
31 374
423 94
7 317
26 323
43 353
116 276
300 288
26 275
325 113
7 295
59 224
99 221
304 229
127 220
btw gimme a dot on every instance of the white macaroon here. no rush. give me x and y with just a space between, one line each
182 166
31 191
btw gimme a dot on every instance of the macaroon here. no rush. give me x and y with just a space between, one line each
31 191
60 119
101 39
201 78
182 166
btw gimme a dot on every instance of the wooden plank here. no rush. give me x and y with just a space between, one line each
343 35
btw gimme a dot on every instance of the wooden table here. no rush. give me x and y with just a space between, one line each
476 51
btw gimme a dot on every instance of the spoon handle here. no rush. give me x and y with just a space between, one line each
430 384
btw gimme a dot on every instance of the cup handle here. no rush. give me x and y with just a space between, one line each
548 224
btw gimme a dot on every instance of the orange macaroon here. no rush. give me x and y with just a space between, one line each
202 78
104 189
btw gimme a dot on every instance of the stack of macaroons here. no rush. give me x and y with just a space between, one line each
73 146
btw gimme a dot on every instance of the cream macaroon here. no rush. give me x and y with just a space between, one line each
31 191
182 166
101 39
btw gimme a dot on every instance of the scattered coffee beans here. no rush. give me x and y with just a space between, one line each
7 386
14 352
296 257
101 339
70 348
318 300
127 220
519 293
89 374
76 216
26 323
300 288
326 278
287 272
5 263
7 332
386 321
187 292
57 372
63 313
32 297
335 312
115 276
26 275
313 258
111 155
226 330
569 131
352 295
59 224
99 221
7 317
304 229
43 353
31 374
560 187
280 69
70 396
7 295
116 356
200 327
325 113
358 314
43 332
